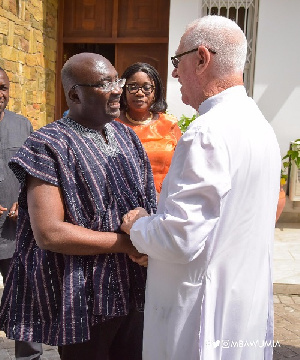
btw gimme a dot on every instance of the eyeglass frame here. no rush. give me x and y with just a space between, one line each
113 84
175 58
140 88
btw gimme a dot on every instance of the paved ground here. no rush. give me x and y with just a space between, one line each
287 322
287 253
287 290
7 350
286 300
286 337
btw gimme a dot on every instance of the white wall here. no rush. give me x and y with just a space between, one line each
277 68
181 14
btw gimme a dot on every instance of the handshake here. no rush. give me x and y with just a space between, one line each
128 220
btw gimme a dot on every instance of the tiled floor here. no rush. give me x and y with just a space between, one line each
287 253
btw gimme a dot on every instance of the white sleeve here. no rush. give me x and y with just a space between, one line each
198 180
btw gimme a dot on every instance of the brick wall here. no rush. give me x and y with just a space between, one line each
28 44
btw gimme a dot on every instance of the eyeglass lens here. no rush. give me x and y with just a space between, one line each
175 62
134 88
114 85
106 87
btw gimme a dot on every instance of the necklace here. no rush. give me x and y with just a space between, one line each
139 122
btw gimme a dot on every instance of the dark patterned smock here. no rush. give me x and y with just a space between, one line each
54 298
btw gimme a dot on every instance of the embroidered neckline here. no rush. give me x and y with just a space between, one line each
109 148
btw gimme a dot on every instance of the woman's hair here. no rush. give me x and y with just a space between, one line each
159 104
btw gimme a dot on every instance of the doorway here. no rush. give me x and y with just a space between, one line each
123 31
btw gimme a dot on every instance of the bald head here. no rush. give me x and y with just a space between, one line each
4 76
92 90
4 92
223 36
82 68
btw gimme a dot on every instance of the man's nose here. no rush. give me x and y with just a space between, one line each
174 73
117 89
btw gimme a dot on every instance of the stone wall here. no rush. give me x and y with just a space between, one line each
28 45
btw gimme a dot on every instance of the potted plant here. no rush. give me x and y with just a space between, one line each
292 156
185 121
290 170
289 160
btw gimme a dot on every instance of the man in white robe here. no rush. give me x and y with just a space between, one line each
209 289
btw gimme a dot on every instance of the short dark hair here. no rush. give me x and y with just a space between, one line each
159 104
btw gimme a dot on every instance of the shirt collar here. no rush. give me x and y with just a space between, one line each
234 91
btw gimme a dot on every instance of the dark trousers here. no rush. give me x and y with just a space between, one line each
120 338
24 350
28 350
4 267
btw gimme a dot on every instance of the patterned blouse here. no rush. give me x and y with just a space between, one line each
54 298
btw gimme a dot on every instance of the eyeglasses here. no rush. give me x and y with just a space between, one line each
147 89
106 87
175 59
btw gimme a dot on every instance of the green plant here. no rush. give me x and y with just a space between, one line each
185 121
292 155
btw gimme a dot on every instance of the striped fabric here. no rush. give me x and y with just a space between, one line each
54 298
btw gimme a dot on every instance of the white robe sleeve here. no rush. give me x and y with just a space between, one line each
190 202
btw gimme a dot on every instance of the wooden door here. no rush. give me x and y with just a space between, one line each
153 54
124 31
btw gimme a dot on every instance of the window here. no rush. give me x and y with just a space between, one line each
245 14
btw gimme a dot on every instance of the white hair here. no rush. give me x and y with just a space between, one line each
221 35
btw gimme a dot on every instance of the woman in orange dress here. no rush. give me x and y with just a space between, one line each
143 108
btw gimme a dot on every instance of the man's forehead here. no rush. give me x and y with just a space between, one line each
180 47
182 44
3 76
102 69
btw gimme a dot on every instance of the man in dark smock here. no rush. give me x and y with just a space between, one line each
72 282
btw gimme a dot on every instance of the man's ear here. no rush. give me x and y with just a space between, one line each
203 58
73 96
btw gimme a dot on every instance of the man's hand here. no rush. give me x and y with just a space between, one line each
13 212
131 217
142 259
128 220
2 209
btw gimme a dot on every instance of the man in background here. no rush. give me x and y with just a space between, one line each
14 130
209 287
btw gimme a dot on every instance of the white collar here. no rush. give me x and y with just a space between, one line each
234 91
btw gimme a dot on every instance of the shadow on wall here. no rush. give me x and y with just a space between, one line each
279 104
50 11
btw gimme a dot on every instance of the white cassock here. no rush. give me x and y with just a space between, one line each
209 289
